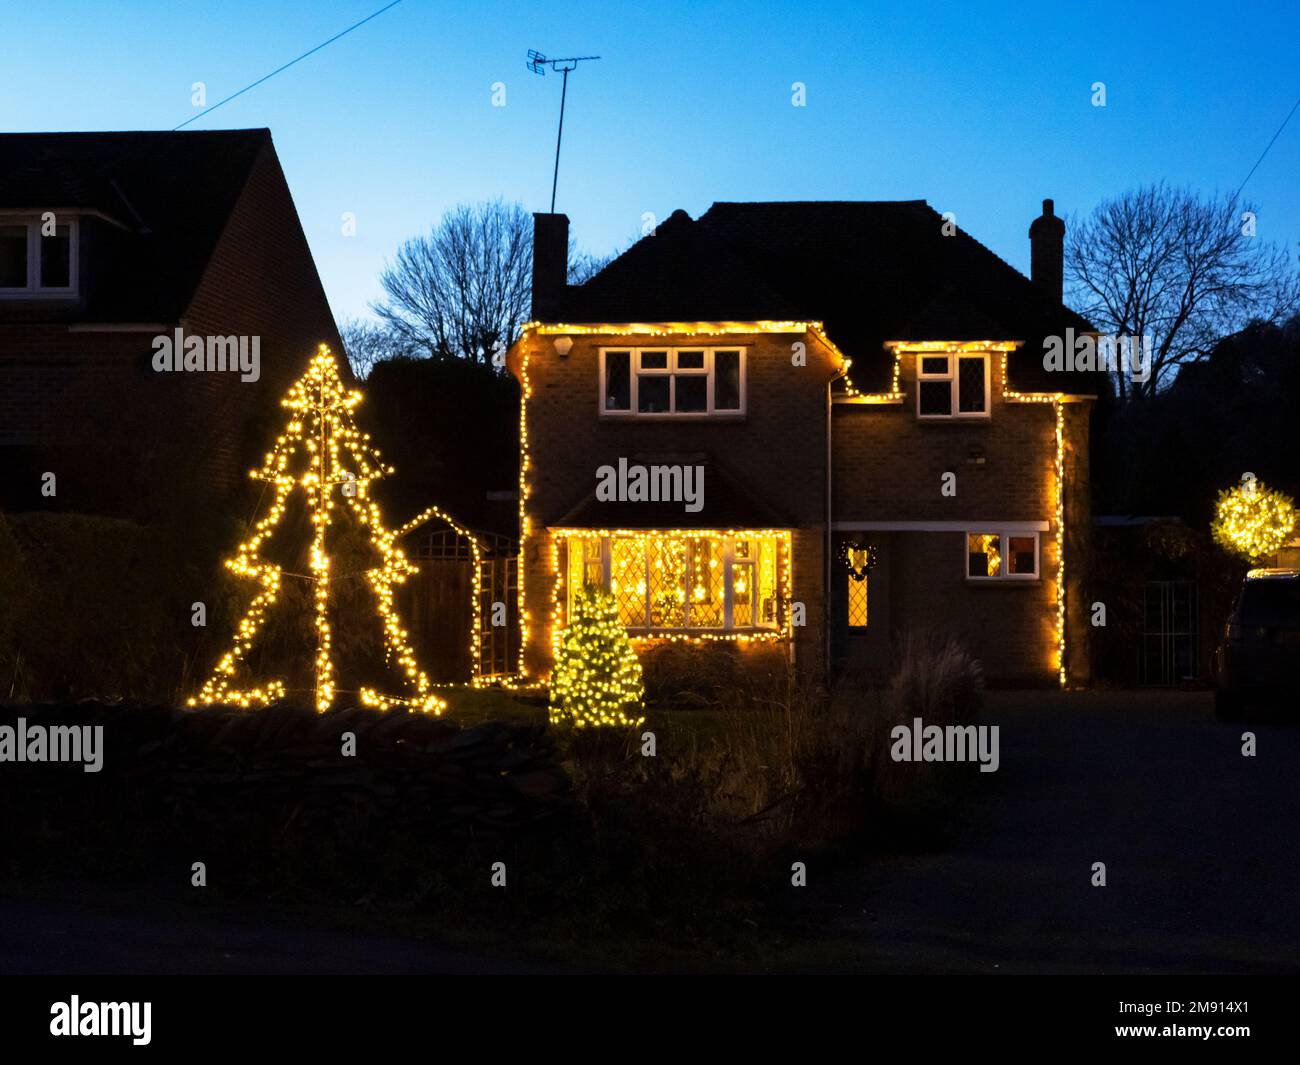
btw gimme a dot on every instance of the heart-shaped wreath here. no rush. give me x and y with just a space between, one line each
858 558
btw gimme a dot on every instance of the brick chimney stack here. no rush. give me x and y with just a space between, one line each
550 264
1047 251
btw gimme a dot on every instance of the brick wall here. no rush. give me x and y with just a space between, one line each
778 448
889 466
128 441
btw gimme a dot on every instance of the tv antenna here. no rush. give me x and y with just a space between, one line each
538 63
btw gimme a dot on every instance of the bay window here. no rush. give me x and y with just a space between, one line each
683 581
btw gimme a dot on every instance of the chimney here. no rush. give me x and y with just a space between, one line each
550 264
1047 251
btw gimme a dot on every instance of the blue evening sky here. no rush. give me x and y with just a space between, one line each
981 109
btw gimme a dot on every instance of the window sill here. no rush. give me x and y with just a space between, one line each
955 419
1001 582
695 419
717 634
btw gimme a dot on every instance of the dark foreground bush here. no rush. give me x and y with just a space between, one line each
937 681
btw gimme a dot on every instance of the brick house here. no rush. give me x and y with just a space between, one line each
859 388
108 241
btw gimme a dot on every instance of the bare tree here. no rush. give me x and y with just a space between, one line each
1162 263
367 342
464 290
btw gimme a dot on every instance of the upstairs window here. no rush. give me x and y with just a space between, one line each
37 259
670 382
952 385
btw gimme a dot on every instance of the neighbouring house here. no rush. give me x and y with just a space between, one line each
109 242
818 425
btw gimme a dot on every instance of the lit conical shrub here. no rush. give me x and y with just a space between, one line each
597 679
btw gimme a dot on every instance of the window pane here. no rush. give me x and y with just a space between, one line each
984 555
692 393
970 395
726 380
936 397
857 603
690 360
627 581
705 584
934 364
742 595
56 259
767 583
667 578
1020 556
618 380
13 256
652 394
654 360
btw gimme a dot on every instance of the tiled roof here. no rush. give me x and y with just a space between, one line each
728 503
871 271
170 192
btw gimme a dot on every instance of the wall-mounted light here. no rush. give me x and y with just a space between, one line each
563 345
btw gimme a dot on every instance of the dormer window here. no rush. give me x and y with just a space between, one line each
952 385
672 382
38 257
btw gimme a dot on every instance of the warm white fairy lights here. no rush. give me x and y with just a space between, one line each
597 678
309 454
475 642
1252 520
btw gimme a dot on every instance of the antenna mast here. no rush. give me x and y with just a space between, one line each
538 63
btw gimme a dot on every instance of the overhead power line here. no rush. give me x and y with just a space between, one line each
278 70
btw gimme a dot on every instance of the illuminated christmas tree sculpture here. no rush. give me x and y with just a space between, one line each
597 679
322 452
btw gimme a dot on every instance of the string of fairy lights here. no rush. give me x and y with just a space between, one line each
1058 400
309 455
597 680
1253 520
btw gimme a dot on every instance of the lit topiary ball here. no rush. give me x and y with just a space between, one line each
597 678
1253 521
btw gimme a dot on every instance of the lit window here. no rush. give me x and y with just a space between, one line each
857 602
36 259
1001 556
685 382
952 386
683 581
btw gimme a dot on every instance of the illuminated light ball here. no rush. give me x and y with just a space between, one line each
1252 520
597 679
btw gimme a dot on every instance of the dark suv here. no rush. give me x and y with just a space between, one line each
1258 658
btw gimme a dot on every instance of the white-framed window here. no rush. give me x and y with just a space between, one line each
1001 555
952 384
37 259
672 382
681 582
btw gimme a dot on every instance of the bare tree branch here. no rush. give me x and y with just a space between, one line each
1162 263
